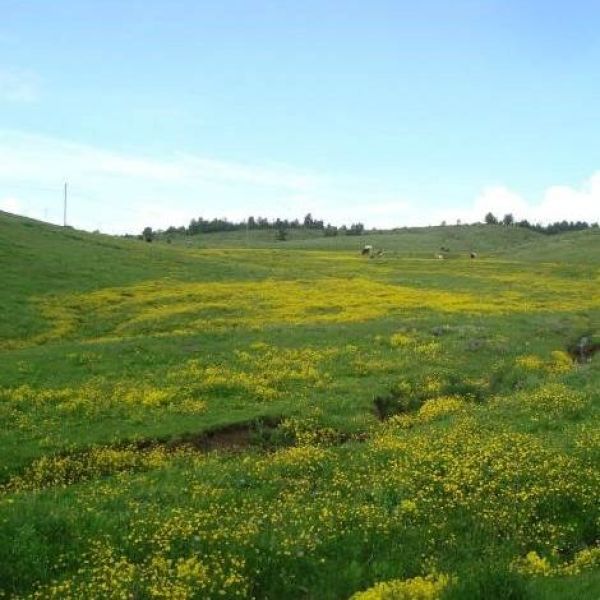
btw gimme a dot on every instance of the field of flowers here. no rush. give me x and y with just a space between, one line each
272 423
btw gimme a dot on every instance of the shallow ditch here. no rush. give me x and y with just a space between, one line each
400 400
68 468
259 433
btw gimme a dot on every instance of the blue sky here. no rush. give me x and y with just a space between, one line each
392 113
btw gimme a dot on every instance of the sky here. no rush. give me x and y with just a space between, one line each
392 113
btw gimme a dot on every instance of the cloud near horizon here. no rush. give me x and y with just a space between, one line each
118 192
558 203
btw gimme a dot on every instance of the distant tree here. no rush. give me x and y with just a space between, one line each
281 234
556 227
148 234
490 219
443 224
308 221
508 219
330 230
356 229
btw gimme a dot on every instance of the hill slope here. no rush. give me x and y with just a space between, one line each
418 241
578 246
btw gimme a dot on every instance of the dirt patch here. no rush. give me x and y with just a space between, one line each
395 404
380 408
233 437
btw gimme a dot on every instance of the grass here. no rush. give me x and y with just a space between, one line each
122 359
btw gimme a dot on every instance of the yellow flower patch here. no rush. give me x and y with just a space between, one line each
417 588
171 307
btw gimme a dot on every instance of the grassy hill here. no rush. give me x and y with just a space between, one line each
232 416
417 241
579 246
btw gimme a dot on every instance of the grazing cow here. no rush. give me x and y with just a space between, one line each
367 250
439 256
473 254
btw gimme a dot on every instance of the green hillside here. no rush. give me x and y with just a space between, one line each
579 246
418 241
228 416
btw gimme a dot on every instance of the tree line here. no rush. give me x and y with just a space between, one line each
551 228
281 226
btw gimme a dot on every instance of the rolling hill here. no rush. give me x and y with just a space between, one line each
232 416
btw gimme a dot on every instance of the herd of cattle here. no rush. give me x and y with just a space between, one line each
371 252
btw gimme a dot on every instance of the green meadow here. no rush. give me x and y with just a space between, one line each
231 416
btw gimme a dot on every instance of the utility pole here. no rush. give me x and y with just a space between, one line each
65 207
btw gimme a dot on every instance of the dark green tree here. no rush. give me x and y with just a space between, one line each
490 219
356 229
148 234
508 219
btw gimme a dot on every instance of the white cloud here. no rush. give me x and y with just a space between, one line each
120 192
498 199
557 203
20 153
123 192
17 206
18 86
11 205
563 202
